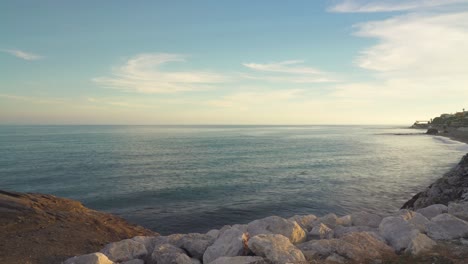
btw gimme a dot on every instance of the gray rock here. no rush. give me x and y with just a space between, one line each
275 248
340 231
433 210
148 241
229 244
320 232
459 210
397 232
365 219
195 261
358 247
134 261
335 258
446 227
196 244
420 243
239 260
214 233
304 221
344 221
242 228
277 225
93 258
417 220
169 254
124 250
329 220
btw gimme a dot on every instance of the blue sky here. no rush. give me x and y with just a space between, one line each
232 62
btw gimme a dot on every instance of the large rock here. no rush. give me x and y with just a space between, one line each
277 225
419 243
214 233
134 261
320 231
330 220
239 260
365 219
169 254
275 248
124 250
459 210
340 231
196 244
397 232
358 247
416 220
93 258
305 221
230 243
148 241
433 210
344 221
446 227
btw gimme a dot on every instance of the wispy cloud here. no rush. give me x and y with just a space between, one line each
144 73
291 71
368 6
23 54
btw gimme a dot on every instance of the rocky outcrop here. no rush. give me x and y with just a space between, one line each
452 187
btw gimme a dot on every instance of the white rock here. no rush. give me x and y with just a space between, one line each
433 210
365 219
340 231
196 244
459 210
276 248
169 254
397 232
320 232
277 225
446 227
93 258
229 244
124 250
420 243
344 220
305 221
239 260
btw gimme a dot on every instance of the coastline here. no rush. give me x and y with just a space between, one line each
42 223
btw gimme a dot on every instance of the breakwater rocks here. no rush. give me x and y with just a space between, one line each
453 186
356 238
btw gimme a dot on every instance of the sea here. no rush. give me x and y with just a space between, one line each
181 179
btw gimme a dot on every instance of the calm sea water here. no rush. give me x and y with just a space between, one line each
194 178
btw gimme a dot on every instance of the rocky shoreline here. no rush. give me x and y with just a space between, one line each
432 227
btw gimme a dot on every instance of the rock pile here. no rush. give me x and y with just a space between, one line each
357 238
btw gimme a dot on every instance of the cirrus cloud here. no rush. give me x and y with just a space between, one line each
22 54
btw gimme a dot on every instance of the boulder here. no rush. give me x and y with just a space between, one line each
277 249
239 260
229 244
214 233
277 225
433 210
419 243
304 221
134 261
397 232
195 261
446 227
320 231
169 254
459 210
365 219
124 250
196 244
242 228
93 258
344 221
329 220
358 247
148 241
417 220
340 231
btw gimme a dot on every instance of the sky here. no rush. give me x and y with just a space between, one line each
232 62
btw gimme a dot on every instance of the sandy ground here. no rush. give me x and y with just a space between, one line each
44 229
